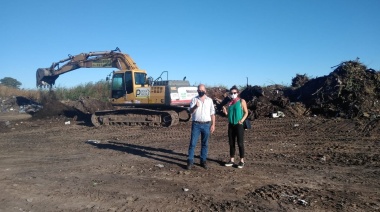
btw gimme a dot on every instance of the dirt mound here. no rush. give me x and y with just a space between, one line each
80 110
88 105
56 108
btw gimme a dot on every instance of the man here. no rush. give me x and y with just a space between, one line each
203 117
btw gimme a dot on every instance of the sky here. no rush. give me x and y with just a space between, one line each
214 42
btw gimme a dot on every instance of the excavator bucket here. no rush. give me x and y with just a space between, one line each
44 77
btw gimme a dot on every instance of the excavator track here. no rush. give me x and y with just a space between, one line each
135 117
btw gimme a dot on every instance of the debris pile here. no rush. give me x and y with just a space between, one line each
264 101
19 104
350 91
218 94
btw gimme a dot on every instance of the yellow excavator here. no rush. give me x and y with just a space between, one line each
137 99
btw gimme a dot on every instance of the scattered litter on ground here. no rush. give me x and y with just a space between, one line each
160 166
93 141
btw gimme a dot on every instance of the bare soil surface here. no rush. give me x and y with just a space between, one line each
293 164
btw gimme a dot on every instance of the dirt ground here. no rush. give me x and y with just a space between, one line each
293 164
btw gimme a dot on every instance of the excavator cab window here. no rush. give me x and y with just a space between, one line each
118 90
140 78
117 82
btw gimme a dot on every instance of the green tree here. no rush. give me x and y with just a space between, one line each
10 82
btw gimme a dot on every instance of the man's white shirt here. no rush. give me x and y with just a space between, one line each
204 112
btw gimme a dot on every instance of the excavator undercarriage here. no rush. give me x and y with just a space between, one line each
135 117
140 117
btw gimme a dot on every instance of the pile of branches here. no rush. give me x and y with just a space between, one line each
350 91
264 101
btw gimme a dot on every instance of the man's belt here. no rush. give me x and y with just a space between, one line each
202 122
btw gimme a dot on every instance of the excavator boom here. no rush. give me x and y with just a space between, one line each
101 59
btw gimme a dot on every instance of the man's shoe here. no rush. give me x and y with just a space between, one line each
241 165
189 166
204 165
229 163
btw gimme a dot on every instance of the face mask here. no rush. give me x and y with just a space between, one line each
201 93
233 96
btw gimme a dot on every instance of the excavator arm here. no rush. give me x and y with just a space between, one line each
101 59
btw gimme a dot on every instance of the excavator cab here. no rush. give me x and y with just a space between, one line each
132 87
125 85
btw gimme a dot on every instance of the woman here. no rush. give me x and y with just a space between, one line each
237 113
